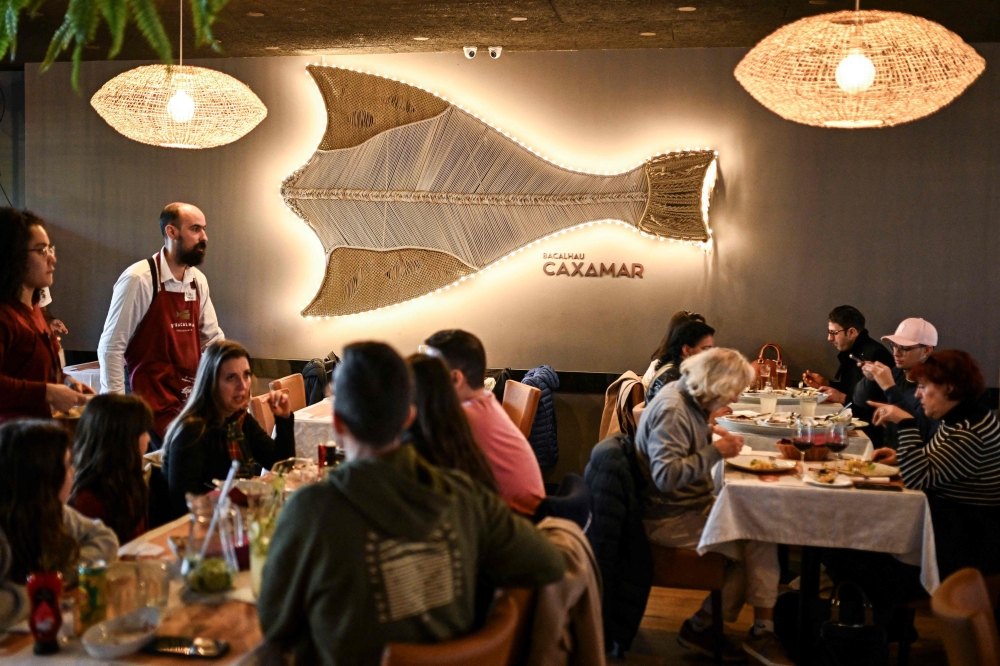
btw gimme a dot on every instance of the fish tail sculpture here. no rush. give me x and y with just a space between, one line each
409 194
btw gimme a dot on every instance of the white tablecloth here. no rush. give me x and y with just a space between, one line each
86 373
313 426
792 512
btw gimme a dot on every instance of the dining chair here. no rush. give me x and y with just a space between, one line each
520 401
493 645
262 414
969 630
296 387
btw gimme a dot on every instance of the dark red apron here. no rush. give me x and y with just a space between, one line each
162 357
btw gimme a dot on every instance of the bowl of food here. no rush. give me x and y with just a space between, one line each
789 452
122 636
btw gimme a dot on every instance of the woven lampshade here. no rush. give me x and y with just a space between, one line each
179 106
893 68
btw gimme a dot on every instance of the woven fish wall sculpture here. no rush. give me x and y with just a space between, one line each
410 194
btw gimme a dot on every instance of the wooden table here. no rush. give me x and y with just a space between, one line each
234 621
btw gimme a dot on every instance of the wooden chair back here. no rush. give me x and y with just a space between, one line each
969 630
261 413
520 401
490 646
296 387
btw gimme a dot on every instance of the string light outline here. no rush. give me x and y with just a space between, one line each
708 186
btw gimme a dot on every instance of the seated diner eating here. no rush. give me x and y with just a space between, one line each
214 428
676 451
389 548
511 457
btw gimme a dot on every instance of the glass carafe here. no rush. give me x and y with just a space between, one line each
215 570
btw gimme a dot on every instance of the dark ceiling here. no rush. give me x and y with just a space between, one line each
295 27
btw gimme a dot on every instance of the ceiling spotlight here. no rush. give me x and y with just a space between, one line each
647 34
469 51
272 48
518 18
254 14
420 39
495 51
686 9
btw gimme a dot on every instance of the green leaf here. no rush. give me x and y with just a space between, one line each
204 13
116 15
148 21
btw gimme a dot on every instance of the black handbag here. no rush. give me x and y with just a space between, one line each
845 643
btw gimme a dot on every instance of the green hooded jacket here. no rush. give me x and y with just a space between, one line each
389 549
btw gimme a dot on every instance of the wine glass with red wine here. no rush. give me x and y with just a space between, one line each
803 441
837 440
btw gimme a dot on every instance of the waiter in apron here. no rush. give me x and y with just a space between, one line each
31 379
160 319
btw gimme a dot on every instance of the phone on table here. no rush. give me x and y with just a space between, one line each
178 646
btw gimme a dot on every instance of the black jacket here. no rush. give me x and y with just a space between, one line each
903 395
619 539
849 374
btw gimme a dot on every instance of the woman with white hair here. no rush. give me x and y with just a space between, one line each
676 451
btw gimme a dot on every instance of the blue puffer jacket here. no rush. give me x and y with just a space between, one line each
543 431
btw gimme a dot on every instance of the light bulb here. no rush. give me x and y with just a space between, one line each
180 107
855 73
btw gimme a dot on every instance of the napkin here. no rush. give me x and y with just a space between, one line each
140 549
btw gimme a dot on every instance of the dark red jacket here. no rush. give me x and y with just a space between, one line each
29 359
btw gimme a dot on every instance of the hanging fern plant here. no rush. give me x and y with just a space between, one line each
83 17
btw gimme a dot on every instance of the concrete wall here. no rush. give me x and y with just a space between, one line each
900 222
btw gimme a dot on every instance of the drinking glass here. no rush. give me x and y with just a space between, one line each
780 376
807 406
765 375
804 440
837 439
768 403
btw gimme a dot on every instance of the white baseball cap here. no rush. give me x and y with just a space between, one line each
914 331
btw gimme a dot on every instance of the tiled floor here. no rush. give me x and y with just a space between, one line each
656 643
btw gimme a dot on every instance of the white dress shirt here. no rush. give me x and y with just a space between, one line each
131 299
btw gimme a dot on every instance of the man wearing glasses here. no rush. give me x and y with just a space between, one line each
912 343
846 330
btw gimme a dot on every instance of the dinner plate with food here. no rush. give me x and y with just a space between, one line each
761 464
827 477
864 468
788 396
776 424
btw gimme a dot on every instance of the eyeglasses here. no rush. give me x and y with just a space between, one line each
833 334
44 250
901 349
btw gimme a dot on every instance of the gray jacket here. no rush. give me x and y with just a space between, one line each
675 451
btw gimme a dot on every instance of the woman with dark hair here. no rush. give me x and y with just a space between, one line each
441 433
44 534
31 379
678 318
688 339
213 429
111 439
959 466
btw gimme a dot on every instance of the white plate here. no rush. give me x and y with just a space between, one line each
768 429
743 463
840 482
783 399
877 471
104 640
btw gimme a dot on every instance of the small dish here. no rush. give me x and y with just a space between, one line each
123 635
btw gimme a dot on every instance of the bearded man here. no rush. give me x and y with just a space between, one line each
161 318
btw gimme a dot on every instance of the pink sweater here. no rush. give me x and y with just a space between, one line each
510 456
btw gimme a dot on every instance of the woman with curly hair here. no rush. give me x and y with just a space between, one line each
441 433
31 379
111 439
36 476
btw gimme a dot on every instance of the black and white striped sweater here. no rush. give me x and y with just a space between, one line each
961 462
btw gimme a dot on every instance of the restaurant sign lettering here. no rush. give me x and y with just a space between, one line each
575 264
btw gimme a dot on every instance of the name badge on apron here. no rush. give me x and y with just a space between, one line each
190 294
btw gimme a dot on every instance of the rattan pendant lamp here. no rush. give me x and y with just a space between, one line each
179 106
854 69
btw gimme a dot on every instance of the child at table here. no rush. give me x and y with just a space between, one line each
111 439
36 475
